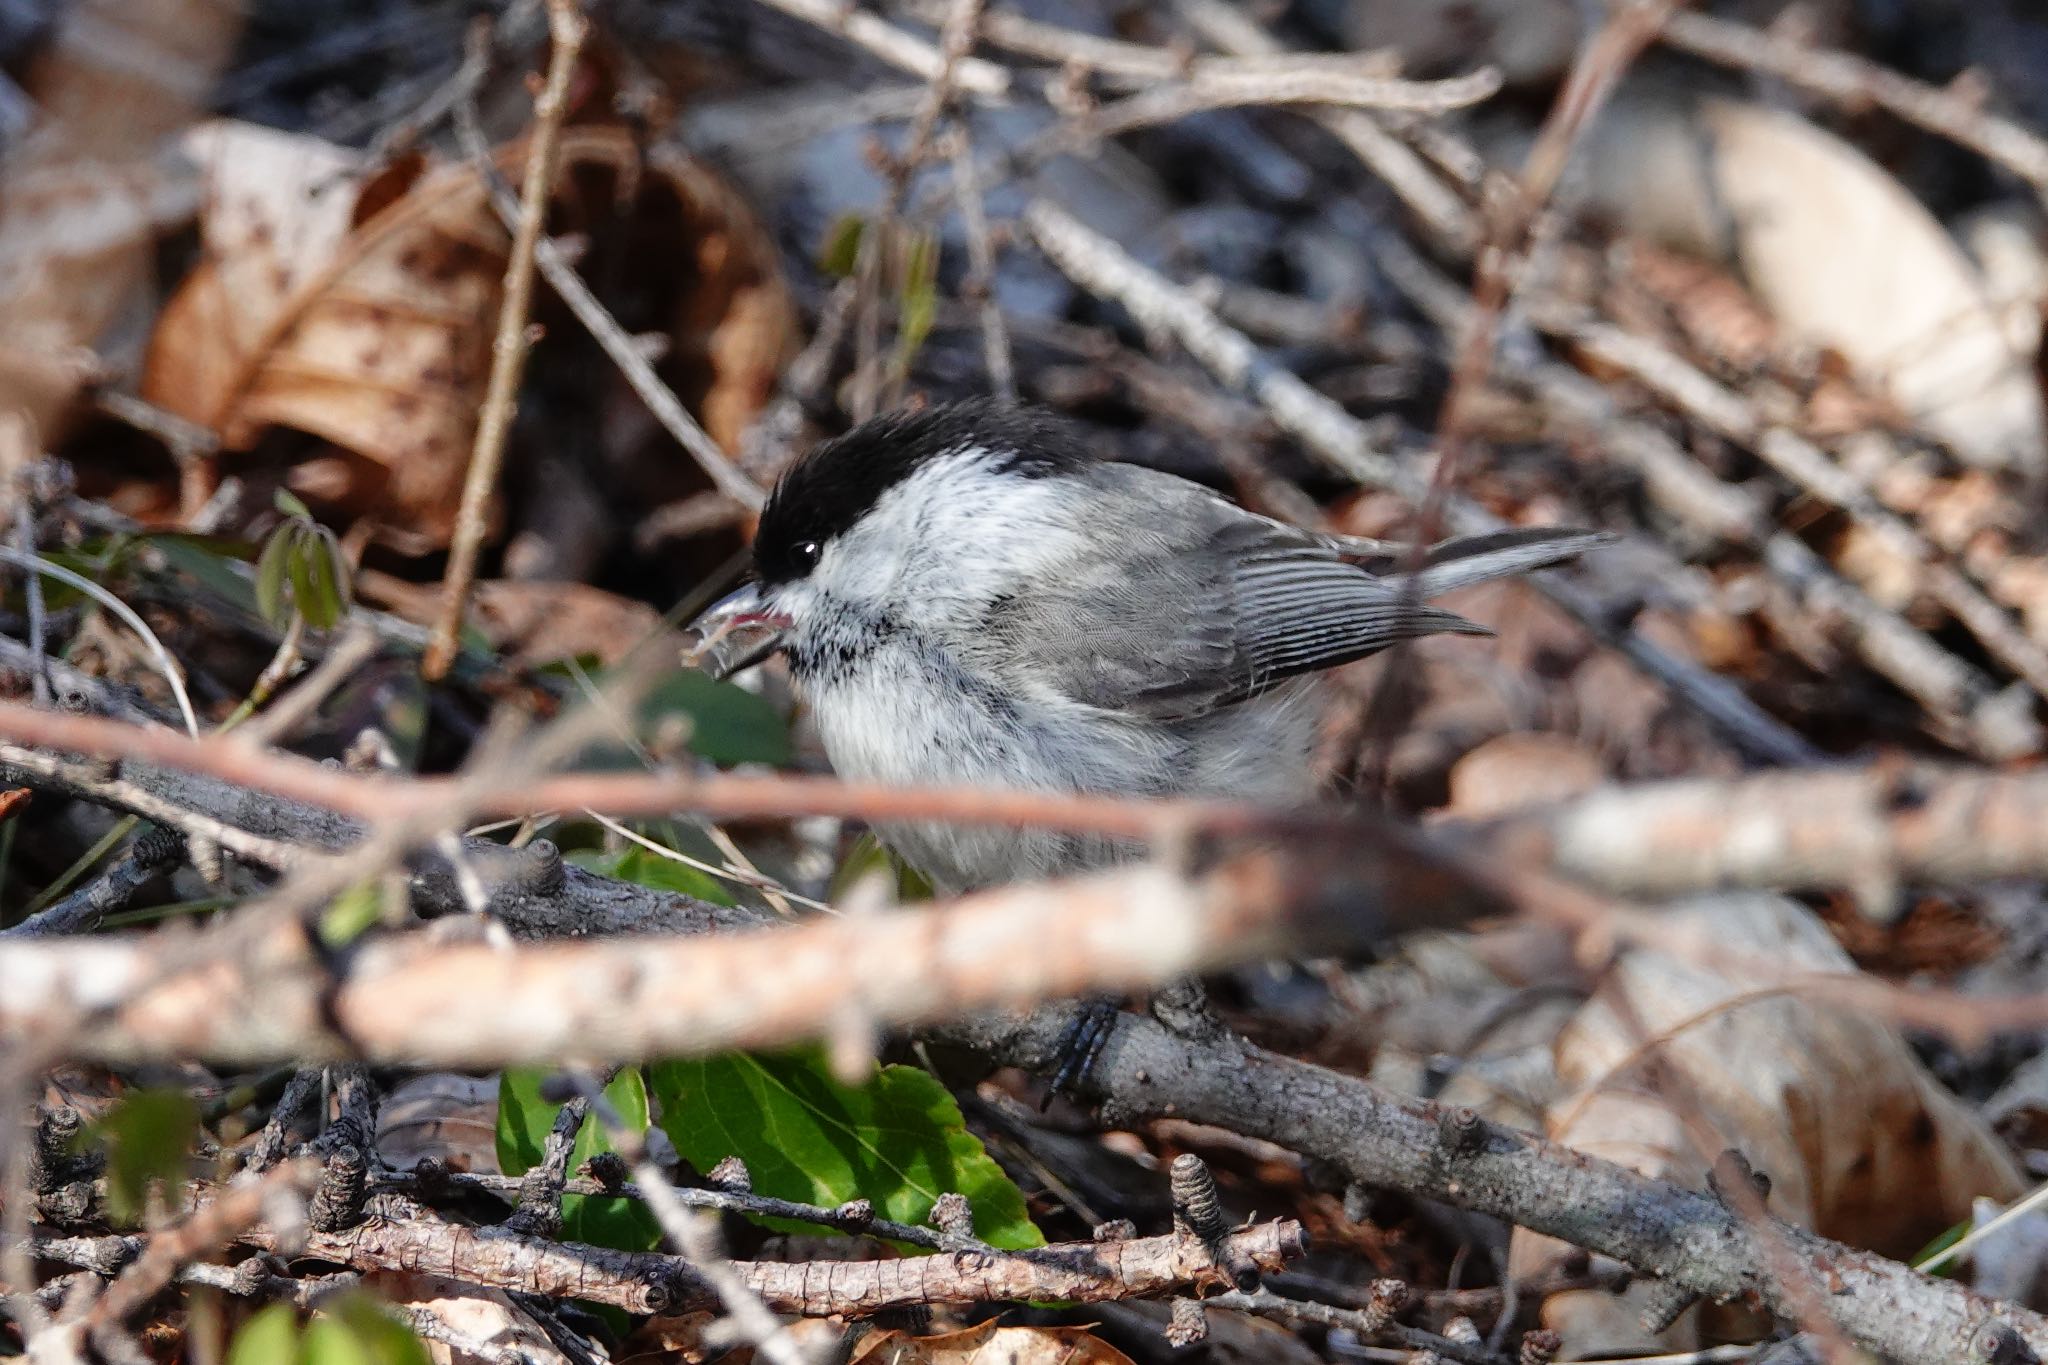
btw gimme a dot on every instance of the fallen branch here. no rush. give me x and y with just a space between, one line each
1689 1239
230 996
649 1282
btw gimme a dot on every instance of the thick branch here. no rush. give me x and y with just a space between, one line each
407 999
1689 1238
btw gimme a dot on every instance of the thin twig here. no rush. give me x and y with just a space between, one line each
956 37
898 47
336 667
35 564
1265 1303
1938 824
605 330
34 765
145 859
1228 89
1448 219
566 26
38 625
1857 83
1808 467
694 1234
981 257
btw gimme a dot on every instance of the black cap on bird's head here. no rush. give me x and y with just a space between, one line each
830 489
827 492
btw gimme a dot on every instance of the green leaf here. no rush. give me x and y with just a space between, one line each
350 1329
898 1140
643 868
271 1337
287 502
351 914
524 1120
353 1330
918 303
148 1137
305 553
728 724
205 559
870 854
1943 1240
841 249
271 568
327 588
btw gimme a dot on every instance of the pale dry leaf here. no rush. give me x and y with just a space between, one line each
1679 1056
372 335
485 1315
990 1344
88 188
1844 255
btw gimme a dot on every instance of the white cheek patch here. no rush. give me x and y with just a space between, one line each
953 536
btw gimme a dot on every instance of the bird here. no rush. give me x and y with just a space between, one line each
966 595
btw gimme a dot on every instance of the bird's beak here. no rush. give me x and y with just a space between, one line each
737 632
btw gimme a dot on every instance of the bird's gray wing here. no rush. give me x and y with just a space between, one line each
1186 603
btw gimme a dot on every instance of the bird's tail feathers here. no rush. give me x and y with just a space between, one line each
1467 560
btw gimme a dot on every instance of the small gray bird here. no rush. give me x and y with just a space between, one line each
968 598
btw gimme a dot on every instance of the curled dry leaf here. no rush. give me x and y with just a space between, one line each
1677 1058
990 1344
358 304
86 191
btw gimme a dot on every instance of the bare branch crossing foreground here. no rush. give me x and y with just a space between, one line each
1907 822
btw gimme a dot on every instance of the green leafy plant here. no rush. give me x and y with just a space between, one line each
728 724
524 1121
839 253
642 868
301 557
898 1140
350 1330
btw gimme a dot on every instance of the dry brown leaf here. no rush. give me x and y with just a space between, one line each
1676 1058
445 1115
990 1344
359 306
86 191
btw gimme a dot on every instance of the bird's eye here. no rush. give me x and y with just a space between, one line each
805 553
